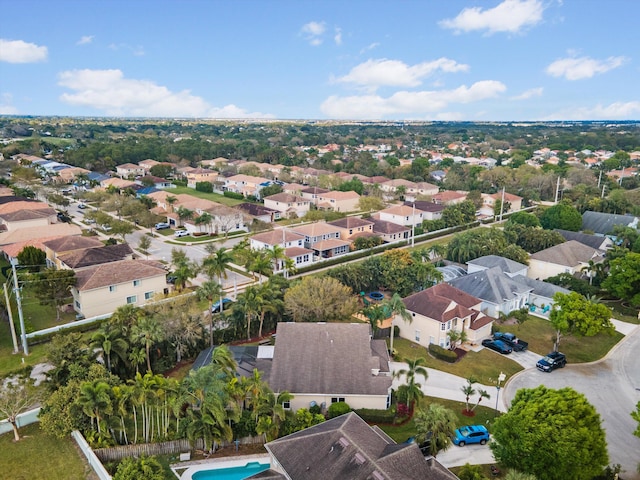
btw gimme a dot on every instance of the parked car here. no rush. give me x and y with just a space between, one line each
181 233
216 306
552 361
82 205
64 217
497 345
162 226
471 434
510 339
105 228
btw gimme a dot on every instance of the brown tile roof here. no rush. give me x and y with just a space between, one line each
425 206
22 215
315 190
275 237
17 204
448 195
388 228
68 244
33 233
286 198
329 244
441 302
14 249
293 252
337 195
315 229
346 447
351 222
115 273
310 358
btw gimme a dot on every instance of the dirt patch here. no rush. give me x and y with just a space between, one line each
460 353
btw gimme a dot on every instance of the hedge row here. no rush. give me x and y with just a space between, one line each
376 416
442 353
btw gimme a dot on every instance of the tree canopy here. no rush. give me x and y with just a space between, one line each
624 278
562 216
546 427
320 299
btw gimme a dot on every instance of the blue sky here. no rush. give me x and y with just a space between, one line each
473 60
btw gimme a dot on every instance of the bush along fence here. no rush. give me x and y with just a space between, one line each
112 454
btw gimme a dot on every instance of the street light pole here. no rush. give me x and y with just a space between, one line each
501 378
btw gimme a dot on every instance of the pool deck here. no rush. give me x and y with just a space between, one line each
215 463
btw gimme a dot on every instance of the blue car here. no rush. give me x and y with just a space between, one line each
471 434
216 306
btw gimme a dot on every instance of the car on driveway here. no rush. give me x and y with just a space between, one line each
162 226
216 306
497 345
471 434
181 233
552 361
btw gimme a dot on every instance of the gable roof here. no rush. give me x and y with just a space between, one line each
351 222
255 209
96 256
315 229
543 289
603 223
426 206
569 254
441 302
286 198
346 447
506 265
115 273
490 285
68 244
593 241
22 215
33 233
277 237
310 358
388 228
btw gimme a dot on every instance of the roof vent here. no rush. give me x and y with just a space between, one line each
375 372
376 476
343 442
359 459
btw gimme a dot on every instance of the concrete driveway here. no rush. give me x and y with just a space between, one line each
611 385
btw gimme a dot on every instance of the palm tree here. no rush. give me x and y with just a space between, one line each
414 389
171 200
137 357
215 265
481 394
468 390
375 313
289 266
146 332
249 303
185 272
437 251
223 361
110 339
271 413
204 219
261 264
397 307
184 214
209 291
95 399
269 302
437 424
125 317
275 254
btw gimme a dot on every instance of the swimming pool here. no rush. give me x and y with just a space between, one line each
231 473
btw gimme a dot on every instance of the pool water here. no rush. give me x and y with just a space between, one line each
231 473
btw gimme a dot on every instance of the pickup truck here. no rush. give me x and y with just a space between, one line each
510 339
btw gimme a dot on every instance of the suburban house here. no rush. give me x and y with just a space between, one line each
118 183
89 257
353 227
287 205
449 197
200 175
258 211
63 245
312 193
513 202
156 182
568 257
292 242
507 266
337 201
38 233
430 210
17 213
101 289
68 175
218 162
598 242
129 170
323 239
603 223
390 232
324 363
402 215
346 447
440 309
246 185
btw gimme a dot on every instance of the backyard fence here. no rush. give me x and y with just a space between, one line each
26 418
93 460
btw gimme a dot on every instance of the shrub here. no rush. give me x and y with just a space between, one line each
338 408
376 416
206 187
237 196
442 353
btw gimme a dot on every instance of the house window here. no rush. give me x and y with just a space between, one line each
449 325
78 305
136 283
337 399
443 326
417 336
286 405
112 288
148 295
132 299
432 340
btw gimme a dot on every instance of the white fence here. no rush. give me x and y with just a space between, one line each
26 418
93 460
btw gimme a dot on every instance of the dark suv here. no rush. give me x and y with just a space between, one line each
552 361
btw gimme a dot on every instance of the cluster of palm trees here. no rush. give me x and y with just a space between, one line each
206 405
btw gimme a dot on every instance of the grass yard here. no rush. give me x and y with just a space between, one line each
40 457
484 365
484 416
214 197
540 335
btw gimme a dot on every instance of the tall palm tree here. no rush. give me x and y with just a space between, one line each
215 265
415 368
468 390
437 424
271 413
223 361
396 306
276 254
375 313
249 303
146 332
95 400
289 266
261 264
209 291
125 317
269 302
185 272
204 219
110 339
481 394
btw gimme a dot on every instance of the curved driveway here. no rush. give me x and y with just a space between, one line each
611 385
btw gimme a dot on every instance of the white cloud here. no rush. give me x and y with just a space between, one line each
613 111
137 50
408 104
5 105
510 16
85 40
371 46
383 72
532 92
109 91
583 67
313 32
338 36
18 51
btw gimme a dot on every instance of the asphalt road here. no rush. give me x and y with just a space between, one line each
612 386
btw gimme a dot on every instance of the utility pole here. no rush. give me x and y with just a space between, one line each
23 333
557 190
413 224
502 204
11 324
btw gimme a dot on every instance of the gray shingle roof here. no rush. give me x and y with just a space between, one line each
95 256
490 261
544 289
593 241
490 285
569 254
332 358
345 447
117 272
603 223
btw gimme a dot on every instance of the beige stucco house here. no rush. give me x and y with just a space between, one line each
337 201
568 257
101 289
287 205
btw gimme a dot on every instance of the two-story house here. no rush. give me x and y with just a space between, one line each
568 257
200 175
323 239
402 215
337 201
354 227
129 170
287 205
292 242
246 185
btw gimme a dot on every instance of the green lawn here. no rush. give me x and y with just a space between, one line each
38 456
540 335
484 365
214 197
484 416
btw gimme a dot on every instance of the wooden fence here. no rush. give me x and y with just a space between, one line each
161 448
